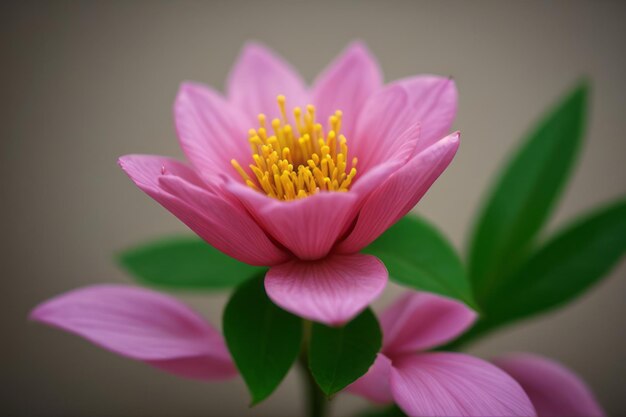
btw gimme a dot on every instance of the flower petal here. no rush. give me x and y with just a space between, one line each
258 77
210 131
222 223
421 321
331 291
553 389
379 127
432 102
145 170
374 385
454 384
346 84
141 324
429 101
308 227
397 196
371 178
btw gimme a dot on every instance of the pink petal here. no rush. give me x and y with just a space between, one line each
397 196
369 180
141 324
553 389
432 102
145 170
454 384
308 227
222 223
374 385
429 101
346 84
258 77
210 131
379 127
421 321
332 290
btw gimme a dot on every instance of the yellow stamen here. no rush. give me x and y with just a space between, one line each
281 104
296 163
262 120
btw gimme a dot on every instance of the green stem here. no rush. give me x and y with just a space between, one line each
317 404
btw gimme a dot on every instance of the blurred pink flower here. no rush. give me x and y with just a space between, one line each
144 325
425 383
553 389
293 195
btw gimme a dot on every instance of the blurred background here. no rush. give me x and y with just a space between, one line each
85 82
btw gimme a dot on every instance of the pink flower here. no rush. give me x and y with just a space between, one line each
436 383
143 325
454 384
553 389
295 195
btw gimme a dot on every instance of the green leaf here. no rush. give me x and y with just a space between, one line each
263 340
564 267
525 194
420 257
185 262
338 356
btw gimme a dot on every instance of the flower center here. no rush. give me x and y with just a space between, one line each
296 163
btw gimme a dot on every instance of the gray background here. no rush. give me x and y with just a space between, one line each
86 82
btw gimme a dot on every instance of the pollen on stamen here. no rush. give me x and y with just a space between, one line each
291 163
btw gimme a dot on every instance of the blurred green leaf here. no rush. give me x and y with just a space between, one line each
338 356
564 267
263 339
525 194
418 256
185 263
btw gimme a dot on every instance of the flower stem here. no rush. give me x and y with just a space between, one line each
317 404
